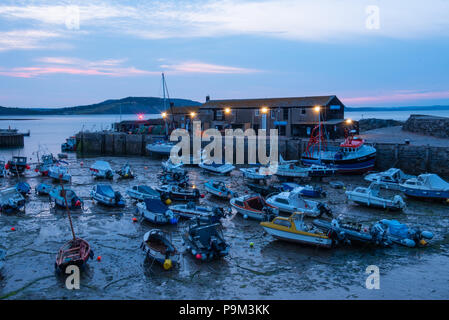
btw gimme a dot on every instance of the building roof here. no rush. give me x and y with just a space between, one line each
183 110
277 102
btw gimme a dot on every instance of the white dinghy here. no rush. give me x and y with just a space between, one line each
370 197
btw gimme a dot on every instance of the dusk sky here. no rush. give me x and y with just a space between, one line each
368 53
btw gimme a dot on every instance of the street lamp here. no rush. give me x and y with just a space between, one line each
192 114
264 111
318 110
348 121
164 116
227 110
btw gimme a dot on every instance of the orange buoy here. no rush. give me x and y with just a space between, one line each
13 229
134 219
198 256
99 258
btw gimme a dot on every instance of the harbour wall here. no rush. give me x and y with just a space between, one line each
410 158
428 125
11 140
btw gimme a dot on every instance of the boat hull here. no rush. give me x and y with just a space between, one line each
344 166
437 195
302 238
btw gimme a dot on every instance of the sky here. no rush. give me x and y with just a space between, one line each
368 53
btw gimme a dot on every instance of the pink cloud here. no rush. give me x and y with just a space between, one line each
200 67
397 97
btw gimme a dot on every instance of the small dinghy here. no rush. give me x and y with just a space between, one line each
349 232
219 189
305 190
43 189
3 171
104 194
17 166
401 234
316 170
142 192
178 193
23 187
162 147
69 144
390 179
174 178
58 173
293 229
11 200
191 210
102 169
155 211
260 173
292 170
254 207
57 196
426 187
370 197
46 161
76 251
223 168
292 201
125 172
205 241
169 166
158 247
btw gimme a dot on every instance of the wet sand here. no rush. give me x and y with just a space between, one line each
270 270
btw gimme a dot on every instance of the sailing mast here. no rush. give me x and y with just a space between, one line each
165 89
67 209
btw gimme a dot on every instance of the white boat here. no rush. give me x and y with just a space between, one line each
253 207
290 170
58 173
142 192
260 173
160 147
219 189
426 186
102 169
316 170
292 201
11 200
155 211
169 166
224 168
390 179
191 210
370 197
293 229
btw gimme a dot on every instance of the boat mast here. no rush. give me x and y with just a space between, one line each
67 209
165 89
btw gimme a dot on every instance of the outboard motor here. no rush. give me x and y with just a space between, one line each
324 209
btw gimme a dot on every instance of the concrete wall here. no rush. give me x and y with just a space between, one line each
412 159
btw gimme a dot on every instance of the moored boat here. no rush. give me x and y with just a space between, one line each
389 179
141 192
57 196
178 193
125 172
217 168
426 187
69 144
75 252
304 190
254 207
218 189
11 200
370 197
292 201
351 157
401 234
23 187
158 247
102 169
43 189
205 241
292 170
192 210
104 194
293 229
155 211
160 147
169 166
17 165
260 173
45 162
316 170
265 189
59 173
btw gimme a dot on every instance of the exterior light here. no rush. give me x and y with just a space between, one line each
349 121
140 116
192 114
227 110
317 108
264 110
164 115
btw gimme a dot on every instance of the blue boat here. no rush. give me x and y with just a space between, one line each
155 211
45 163
104 194
59 173
73 201
23 187
426 187
401 234
141 192
69 144
43 189
11 200
218 189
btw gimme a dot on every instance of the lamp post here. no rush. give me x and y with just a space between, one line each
164 116
318 110
264 111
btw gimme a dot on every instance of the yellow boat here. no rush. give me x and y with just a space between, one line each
294 229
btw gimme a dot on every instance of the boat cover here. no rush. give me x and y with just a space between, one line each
146 189
101 165
433 181
396 228
105 190
155 205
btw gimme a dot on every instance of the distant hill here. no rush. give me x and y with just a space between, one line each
407 108
128 105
